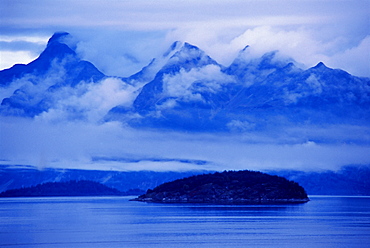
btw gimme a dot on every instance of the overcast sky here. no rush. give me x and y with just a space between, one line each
120 37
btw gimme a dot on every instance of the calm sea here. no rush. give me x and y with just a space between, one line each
117 222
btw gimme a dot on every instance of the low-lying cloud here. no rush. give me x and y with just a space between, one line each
78 145
126 35
180 85
90 101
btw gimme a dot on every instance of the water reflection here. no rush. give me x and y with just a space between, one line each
117 222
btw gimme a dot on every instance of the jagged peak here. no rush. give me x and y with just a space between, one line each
190 46
290 66
191 52
60 45
320 68
175 46
63 38
244 53
179 46
320 65
243 57
247 60
179 55
270 57
58 37
276 59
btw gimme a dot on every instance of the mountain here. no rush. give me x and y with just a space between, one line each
185 89
147 73
228 187
58 67
184 60
193 92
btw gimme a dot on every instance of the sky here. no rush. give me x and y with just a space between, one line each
120 37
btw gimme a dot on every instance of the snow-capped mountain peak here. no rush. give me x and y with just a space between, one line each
187 61
189 56
172 49
58 37
148 72
63 38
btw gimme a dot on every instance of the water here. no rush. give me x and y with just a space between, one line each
117 222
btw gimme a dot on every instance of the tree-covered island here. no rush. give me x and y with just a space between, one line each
228 187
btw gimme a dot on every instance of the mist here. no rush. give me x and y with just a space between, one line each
112 146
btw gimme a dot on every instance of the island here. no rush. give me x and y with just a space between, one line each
228 187
69 188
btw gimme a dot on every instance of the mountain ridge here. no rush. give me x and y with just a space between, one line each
186 89
57 66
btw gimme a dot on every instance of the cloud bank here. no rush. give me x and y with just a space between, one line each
125 35
112 146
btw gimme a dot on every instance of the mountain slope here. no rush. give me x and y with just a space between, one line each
147 73
185 89
193 92
58 66
184 60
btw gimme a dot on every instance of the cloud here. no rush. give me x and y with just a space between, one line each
303 44
125 35
29 90
180 85
90 101
118 53
20 45
20 49
78 145
10 58
59 101
120 37
354 60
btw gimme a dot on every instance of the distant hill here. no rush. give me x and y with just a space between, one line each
71 188
350 180
228 187
14 177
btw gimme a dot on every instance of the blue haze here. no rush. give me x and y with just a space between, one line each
182 108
